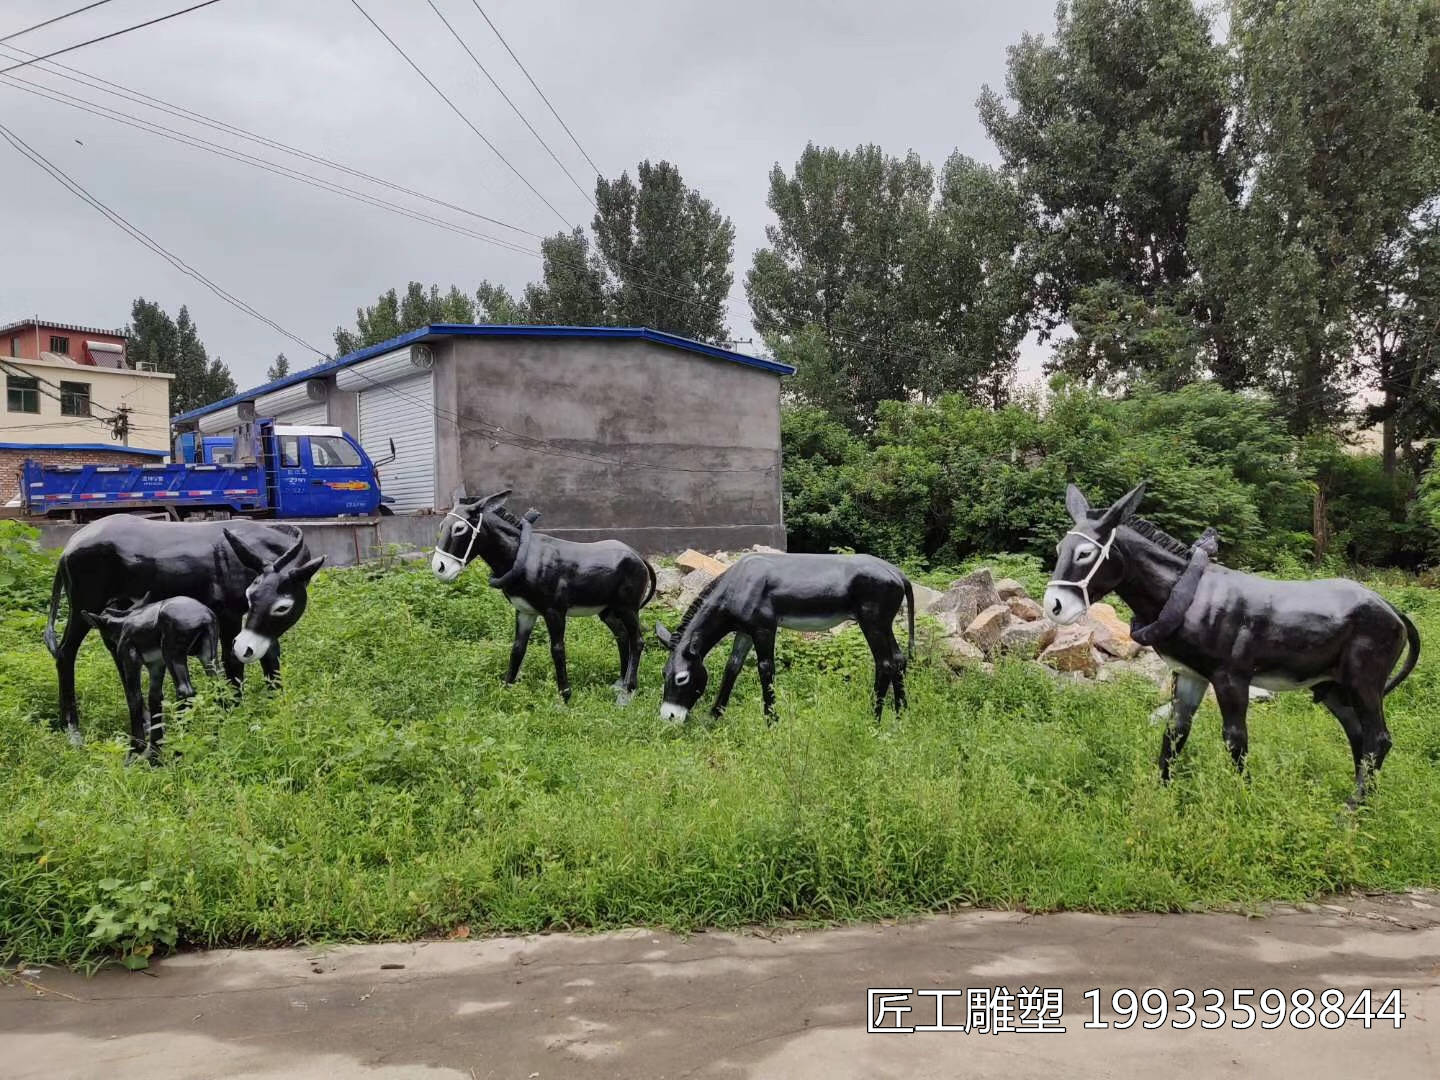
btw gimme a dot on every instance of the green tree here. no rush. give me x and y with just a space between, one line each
174 345
279 369
392 315
1340 147
1113 125
667 251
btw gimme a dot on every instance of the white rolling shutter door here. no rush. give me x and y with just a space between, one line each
310 413
403 410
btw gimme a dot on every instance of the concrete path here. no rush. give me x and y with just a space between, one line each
784 1005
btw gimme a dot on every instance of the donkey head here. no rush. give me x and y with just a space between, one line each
111 622
1086 565
685 677
276 598
464 533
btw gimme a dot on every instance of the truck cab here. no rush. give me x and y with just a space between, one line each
317 470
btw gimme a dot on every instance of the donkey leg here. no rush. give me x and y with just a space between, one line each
1341 703
612 619
75 630
1233 694
1375 736
1189 693
135 701
738 652
881 640
765 660
635 642
523 625
555 623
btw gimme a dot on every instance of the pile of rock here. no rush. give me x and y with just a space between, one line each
984 619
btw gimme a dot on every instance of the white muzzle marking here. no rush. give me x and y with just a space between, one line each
445 567
250 646
675 714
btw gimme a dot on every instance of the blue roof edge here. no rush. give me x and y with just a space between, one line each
438 330
88 448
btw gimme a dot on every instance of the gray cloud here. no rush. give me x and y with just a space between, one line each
724 91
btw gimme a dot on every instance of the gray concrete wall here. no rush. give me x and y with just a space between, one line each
343 542
655 446
343 407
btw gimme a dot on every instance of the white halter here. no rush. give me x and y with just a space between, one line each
1084 583
450 562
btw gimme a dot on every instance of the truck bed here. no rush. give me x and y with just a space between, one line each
48 489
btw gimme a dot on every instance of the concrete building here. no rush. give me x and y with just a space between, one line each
655 439
64 385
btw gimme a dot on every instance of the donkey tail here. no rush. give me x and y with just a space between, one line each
1412 636
52 642
654 584
910 616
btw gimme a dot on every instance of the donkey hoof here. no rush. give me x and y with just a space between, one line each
623 697
73 734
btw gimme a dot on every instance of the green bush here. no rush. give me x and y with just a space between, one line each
26 572
941 482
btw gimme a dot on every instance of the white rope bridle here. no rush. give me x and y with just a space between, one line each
1084 583
449 561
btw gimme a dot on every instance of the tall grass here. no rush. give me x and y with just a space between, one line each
394 788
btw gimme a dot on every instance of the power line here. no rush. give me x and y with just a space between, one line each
57 18
61 177
112 34
456 110
514 108
106 86
536 85
153 128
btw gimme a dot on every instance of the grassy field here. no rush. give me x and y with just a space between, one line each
394 789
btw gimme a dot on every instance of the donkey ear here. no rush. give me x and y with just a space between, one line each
1077 504
244 553
290 555
490 502
665 638
1123 508
532 515
306 571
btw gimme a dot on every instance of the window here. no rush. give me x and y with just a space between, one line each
60 345
22 394
332 452
74 399
289 451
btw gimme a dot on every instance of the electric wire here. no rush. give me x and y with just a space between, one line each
513 107
456 110
536 85
112 34
55 19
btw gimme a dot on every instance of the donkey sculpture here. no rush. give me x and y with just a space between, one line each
157 637
124 556
544 577
1232 630
763 592
276 598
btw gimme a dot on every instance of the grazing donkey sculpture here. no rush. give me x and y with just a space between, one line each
762 592
123 557
276 598
157 637
545 577
1233 630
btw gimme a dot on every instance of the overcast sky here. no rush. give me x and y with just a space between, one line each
722 90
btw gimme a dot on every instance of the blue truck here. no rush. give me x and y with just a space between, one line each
287 471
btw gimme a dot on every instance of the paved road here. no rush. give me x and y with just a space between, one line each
790 1005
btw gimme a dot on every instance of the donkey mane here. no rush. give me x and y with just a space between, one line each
1152 532
695 606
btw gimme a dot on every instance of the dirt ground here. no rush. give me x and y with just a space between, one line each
782 1005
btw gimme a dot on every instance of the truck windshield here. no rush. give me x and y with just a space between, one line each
332 452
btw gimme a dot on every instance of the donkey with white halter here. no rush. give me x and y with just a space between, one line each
545 577
1232 630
